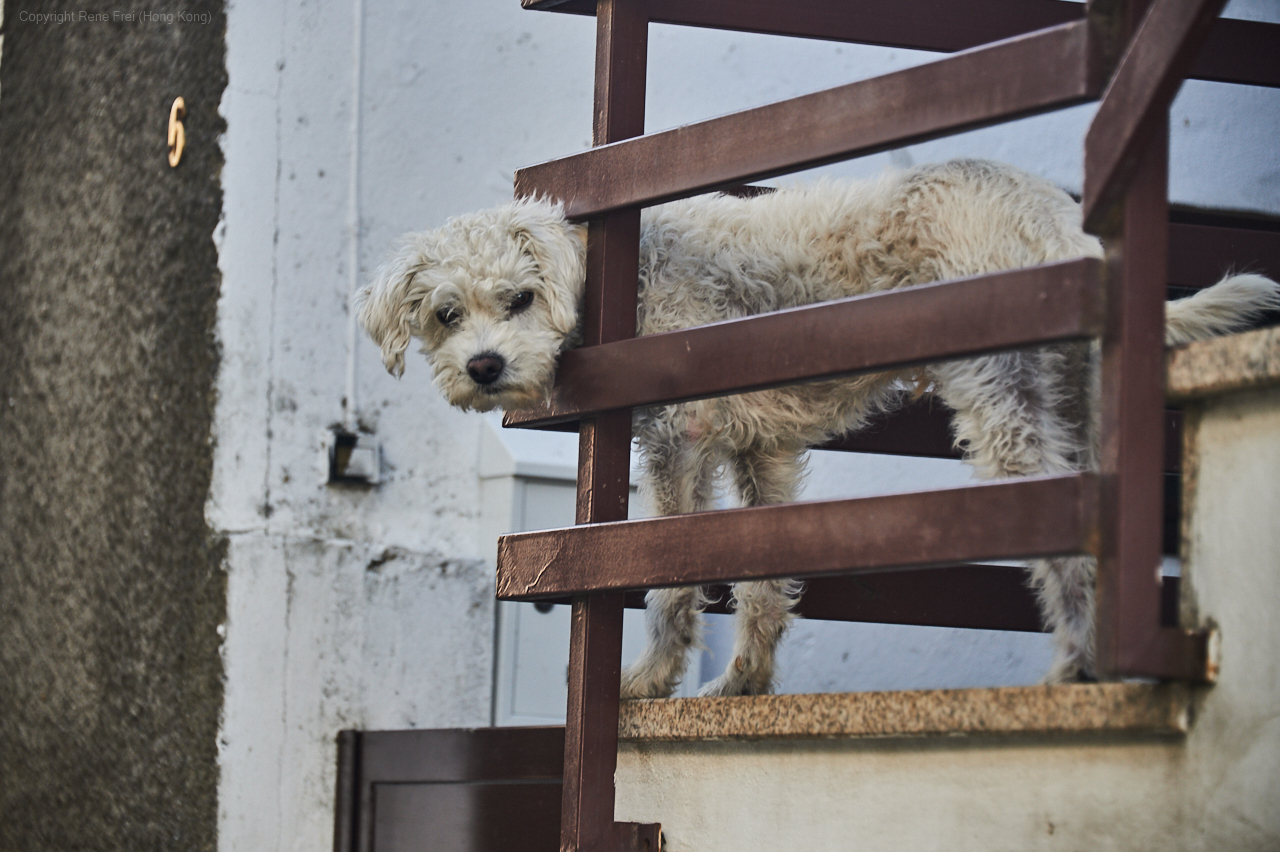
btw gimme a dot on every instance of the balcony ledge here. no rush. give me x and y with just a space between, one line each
1238 362
1162 709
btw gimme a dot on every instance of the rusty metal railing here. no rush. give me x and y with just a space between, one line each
1114 514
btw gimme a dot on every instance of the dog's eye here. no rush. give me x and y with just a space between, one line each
447 316
522 300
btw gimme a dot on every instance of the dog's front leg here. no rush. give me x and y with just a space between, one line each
762 609
680 466
673 625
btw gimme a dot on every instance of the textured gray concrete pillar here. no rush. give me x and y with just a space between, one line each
112 588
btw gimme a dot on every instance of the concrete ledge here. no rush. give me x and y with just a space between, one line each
1134 708
1224 364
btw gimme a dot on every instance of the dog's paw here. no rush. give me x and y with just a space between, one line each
643 682
738 681
1067 669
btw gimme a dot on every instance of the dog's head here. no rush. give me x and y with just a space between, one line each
493 296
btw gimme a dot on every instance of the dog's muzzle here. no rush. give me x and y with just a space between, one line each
485 369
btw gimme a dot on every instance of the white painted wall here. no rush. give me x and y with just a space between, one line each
350 122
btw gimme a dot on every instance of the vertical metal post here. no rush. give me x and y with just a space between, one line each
604 454
1130 639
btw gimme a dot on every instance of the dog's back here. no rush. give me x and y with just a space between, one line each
716 257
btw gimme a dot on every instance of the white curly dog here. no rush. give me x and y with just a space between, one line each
494 298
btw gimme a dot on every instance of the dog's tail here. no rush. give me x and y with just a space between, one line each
1229 305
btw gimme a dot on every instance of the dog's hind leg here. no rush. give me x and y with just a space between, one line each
680 478
1064 586
1010 421
762 609
762 614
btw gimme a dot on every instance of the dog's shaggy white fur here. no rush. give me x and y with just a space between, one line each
494 297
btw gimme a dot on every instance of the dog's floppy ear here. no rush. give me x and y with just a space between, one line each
388 306
559 250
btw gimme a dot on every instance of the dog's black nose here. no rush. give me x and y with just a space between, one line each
485 369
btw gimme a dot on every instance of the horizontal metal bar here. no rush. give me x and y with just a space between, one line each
1057 68
914 24
1200 254
1135 105
970 596
1236 51
983 597
1011 519
899 328
918 428
923 428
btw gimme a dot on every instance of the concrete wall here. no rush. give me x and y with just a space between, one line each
347 606
111 585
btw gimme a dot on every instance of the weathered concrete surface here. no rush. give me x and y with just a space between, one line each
111 586
1224 365
327 635
1070 708
346 606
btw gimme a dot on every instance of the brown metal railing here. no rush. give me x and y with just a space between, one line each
962 92
1007 519
1114 514
898 328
